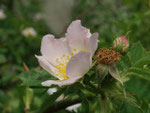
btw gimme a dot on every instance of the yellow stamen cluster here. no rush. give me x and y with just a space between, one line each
82 50
62 65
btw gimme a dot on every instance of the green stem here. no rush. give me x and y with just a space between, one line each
63 104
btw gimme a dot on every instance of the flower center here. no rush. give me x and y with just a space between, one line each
106 56
62 65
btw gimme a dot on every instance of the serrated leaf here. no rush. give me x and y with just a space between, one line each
35 77
136 52
143 61
140 72
124 63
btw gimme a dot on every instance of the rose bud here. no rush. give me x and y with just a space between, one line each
26 69
121 44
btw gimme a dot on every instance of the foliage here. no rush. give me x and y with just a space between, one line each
111 19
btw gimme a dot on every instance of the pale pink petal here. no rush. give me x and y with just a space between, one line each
77 35
79 64
61 83
93 43
124 39
46 65
53 48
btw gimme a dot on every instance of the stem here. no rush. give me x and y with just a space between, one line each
62 105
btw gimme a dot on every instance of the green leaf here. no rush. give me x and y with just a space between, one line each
85 106
136 52
49 100
35 77
145 106
143 61
140 72
2 58
125 63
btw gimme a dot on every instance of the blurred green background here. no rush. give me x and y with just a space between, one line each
110 18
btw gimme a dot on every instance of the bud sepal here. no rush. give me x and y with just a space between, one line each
104 70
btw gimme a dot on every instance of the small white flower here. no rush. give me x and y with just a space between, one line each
51 90
68 59
2 15
73 107
29 32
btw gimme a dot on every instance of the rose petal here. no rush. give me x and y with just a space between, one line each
93 43
61 83
79 64
53 48
46 65
77 35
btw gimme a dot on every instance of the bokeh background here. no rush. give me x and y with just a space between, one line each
23 23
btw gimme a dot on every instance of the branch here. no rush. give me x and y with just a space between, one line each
63 104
